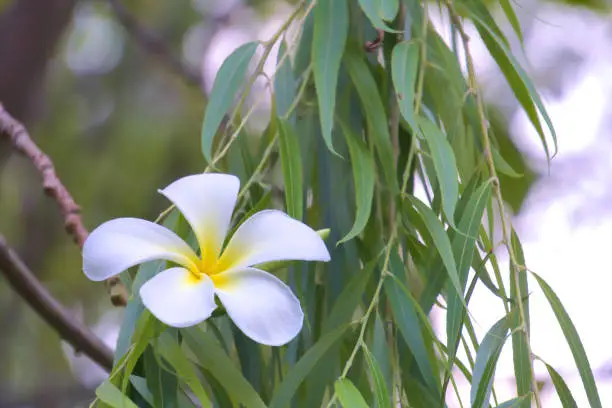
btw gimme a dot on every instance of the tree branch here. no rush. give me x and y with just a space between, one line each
53 187
155 45
30 289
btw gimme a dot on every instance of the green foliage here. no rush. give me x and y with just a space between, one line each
355 131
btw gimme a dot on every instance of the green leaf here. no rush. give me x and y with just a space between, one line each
563 391
440 240
285 85
109 394
291 162
212 357
381 393
463 250
404 67
411 322
140 385
285 391
389 9
161 381
573 340
519 81
228 81
520 340
330 32
377 10
486 360
170 350
502 166
362 163
445 166
350 297
512 18
373 108
516 402
349 395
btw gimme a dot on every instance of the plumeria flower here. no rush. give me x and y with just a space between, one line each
260 304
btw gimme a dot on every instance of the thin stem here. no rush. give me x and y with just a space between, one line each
514 266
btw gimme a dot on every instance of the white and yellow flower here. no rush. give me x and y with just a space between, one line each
260 304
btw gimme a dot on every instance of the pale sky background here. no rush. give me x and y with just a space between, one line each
566 223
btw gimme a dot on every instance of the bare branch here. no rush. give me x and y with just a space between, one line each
154 44
21 142
30 289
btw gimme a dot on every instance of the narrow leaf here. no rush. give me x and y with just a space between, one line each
486 360
291 161
362 163
169 349
330 32
213 358
349 395
228 81
440 240
109 394
373 108
445 166
404 65
373 9
407 317
563 391
520 340
381 393
573 340
285 391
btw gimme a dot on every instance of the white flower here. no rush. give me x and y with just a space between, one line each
260 304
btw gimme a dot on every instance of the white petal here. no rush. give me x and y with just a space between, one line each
207 202
260 304
272 236
122 243
178 299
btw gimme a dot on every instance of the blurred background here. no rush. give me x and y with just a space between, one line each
119 125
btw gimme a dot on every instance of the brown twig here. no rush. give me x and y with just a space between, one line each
30 289
153 44
370 46
22 143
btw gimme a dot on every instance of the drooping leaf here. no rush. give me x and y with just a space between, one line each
441 241
364 177
350 297
404 66
486 361
445 165
563 391
170 350
520 339
373 108
573 340
228 81
381 392
285 391
213 358
330 32
409 320
515 402
285 85
463 249
109 394
375 12
349 395
291 161
519 82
